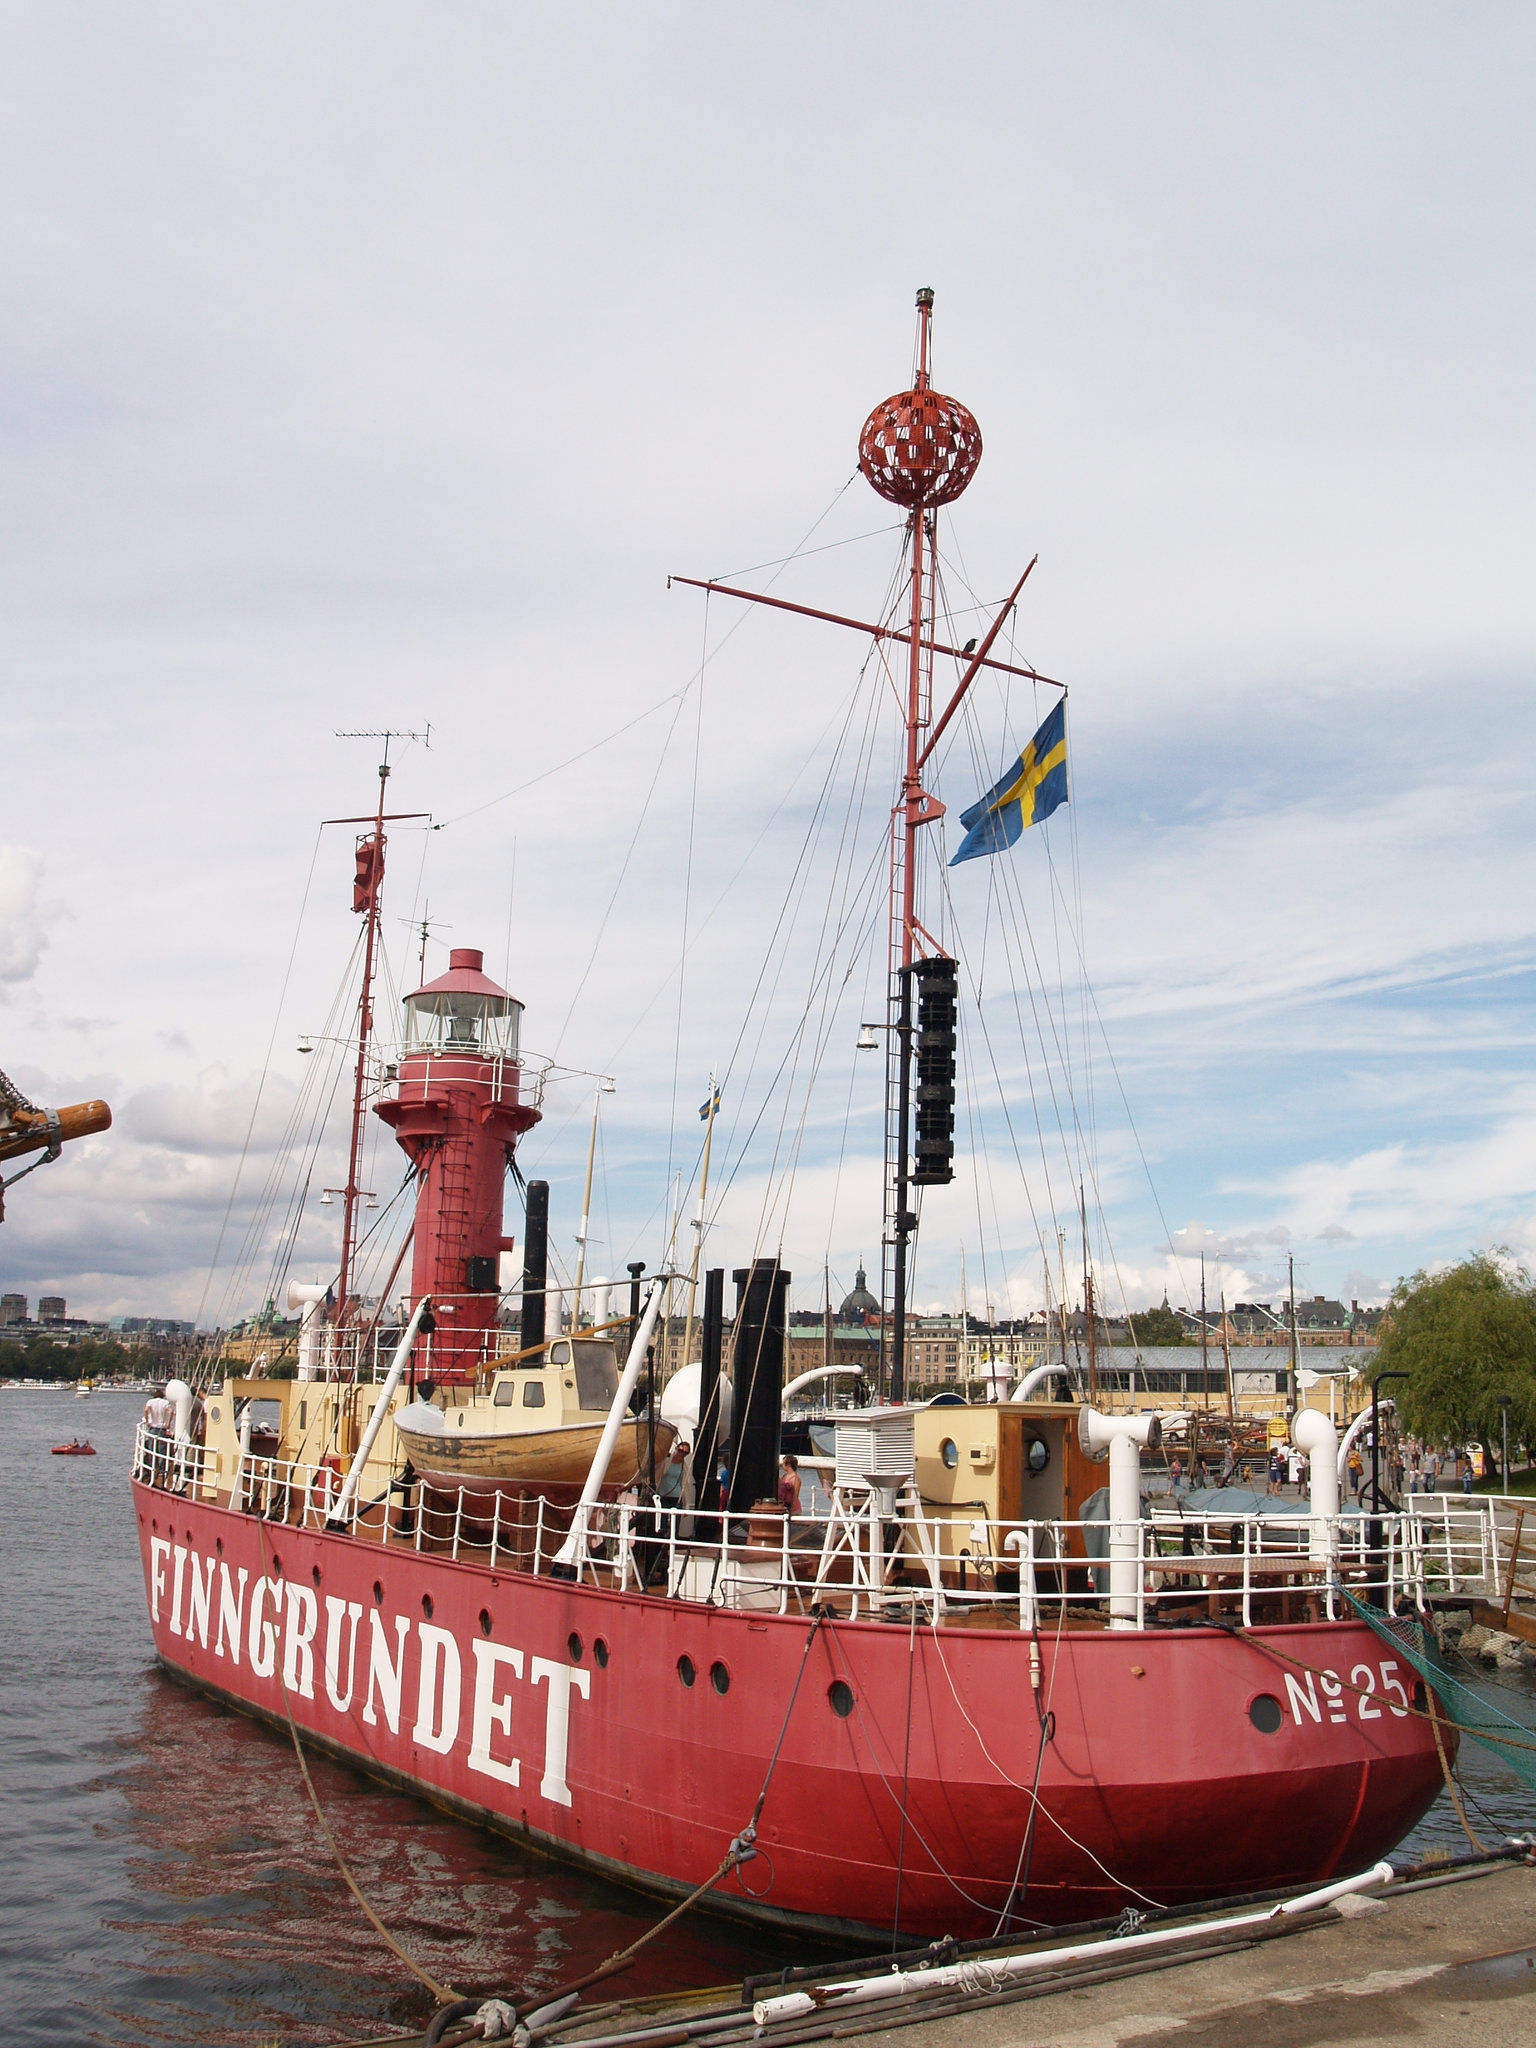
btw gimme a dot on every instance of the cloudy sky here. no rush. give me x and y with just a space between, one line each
373 365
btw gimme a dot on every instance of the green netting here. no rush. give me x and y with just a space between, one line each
1470 1711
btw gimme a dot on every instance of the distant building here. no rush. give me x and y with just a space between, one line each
13 1310
51 1308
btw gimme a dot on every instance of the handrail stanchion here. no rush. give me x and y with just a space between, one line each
421 1320
495 1525
458 1524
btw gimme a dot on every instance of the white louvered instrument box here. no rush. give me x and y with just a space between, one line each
880 1441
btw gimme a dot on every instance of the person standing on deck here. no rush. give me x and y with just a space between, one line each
789 1484
669 1480
159 1421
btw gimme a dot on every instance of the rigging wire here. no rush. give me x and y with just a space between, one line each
266 1066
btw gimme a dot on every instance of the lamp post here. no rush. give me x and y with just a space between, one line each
1376 1435
1504 1418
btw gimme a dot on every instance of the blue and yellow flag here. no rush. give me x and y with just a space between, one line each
1030 791
706 1109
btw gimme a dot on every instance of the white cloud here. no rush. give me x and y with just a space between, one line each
335 400
22 932
217 1115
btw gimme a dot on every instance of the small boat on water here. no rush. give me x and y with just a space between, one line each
77 1447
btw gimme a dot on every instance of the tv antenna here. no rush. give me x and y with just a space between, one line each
425 925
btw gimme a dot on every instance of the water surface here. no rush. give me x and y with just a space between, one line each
161 1877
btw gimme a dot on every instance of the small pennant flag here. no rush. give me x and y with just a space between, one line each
705 1108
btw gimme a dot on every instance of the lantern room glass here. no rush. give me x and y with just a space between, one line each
452 1022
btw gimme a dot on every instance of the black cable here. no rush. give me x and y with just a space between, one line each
1027 1846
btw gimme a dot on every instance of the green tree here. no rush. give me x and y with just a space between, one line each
1464 1337
1158 1326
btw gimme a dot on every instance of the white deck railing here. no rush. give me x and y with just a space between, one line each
1027 1574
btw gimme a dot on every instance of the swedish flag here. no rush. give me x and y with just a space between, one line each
1030 791
711 1107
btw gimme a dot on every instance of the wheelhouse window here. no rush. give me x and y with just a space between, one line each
533 1393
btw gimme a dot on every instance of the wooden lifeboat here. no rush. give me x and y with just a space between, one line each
534 1430
552 1461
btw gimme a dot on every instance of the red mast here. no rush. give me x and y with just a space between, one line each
367 888
365 898
918 449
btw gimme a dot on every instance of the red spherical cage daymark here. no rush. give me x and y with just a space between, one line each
920 448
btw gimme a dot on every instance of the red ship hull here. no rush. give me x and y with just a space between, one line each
556 1713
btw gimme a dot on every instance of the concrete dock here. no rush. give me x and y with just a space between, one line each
1378 1971
1403 1968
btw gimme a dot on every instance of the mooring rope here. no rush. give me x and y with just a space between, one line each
443 1993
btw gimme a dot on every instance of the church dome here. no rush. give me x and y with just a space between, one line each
859 1306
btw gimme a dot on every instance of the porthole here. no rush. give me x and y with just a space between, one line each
720 1678
1038 1456
426 1605
485 1621
685 1670
600 1653
1266 1715
840 1698
573 1644
378 1594
949 1451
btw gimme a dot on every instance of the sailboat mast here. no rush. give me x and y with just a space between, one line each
604 1086
1290 1378
1093 1375
826 1319
698 1223
1061 1256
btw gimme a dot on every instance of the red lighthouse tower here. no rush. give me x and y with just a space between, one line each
457 1115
